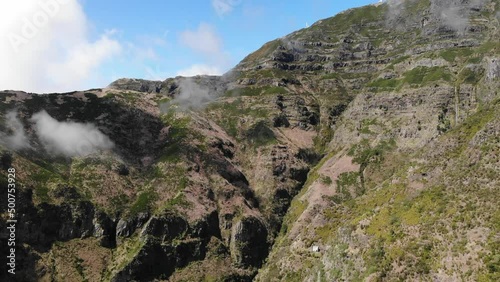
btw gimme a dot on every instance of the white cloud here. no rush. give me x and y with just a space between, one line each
200 69
191 95
69 138
45 47
204 40
81 60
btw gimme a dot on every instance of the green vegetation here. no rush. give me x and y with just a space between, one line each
349 186
444 123
296 209
175 174
163 100
416 77
386 84
364 154
228 114
119 203
445 213
326 180
400 59
469 76
125 253
79 268
269 73
324 137
452 54
361 16
474 60
489 47
177 134
365 125
126 97
263 52
179 201
42 194
471 126
255 91
422 75
332 75
143 202
42 180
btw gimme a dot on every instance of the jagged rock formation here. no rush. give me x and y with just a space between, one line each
372 135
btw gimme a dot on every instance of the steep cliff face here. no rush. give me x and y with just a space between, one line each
372 135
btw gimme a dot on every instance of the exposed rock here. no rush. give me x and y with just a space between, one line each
249 242
153 260
105 229
139 85
165 227
281 121
127 226
493 68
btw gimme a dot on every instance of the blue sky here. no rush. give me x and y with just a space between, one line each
108 39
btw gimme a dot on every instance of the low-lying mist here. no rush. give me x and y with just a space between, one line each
450 12
69 138
191 95
57 137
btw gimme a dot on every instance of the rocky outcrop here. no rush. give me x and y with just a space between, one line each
140 85
249 242
159 255
153 260
212 85
127 226
165 227
493 68
44 224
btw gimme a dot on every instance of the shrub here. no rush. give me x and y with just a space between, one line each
326 180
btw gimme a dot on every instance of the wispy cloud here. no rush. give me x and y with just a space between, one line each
223 7
454 16
191 95
451 14
204 39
